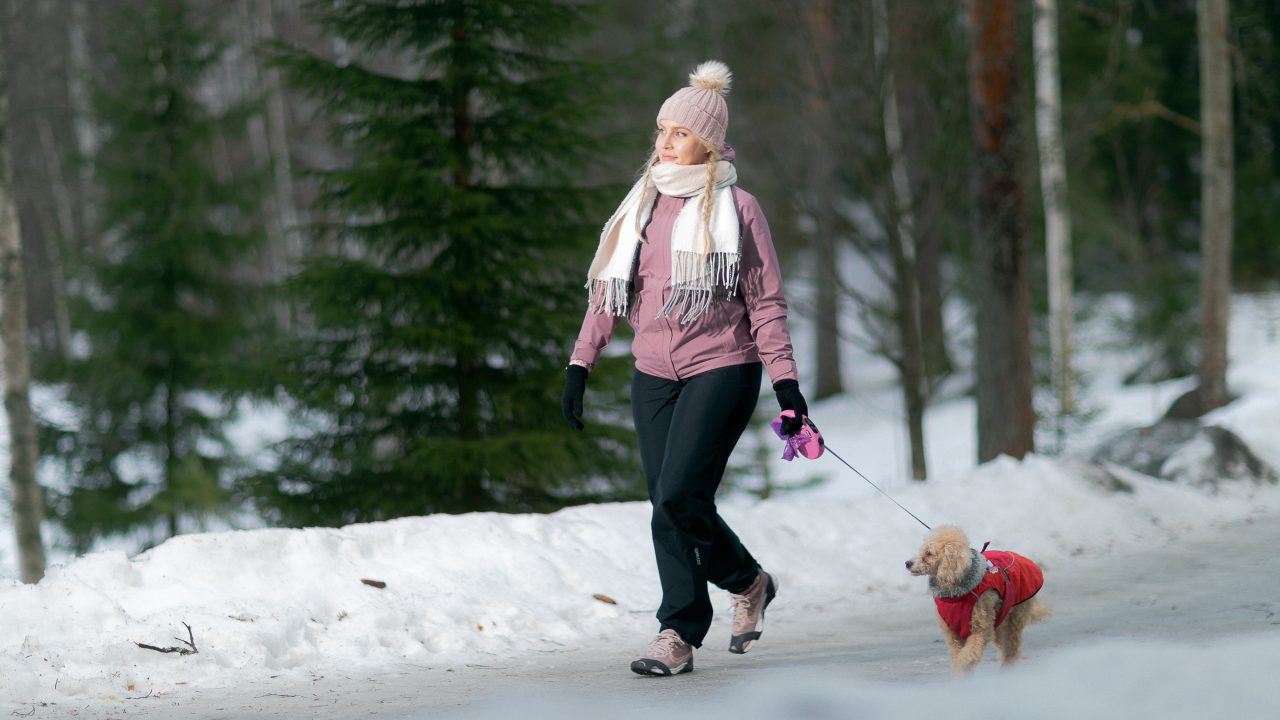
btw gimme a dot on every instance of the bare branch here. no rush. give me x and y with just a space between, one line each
189 650
1151 108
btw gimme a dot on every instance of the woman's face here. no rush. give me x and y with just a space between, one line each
678 144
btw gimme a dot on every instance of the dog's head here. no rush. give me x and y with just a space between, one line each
944 556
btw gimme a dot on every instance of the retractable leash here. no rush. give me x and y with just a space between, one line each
807 442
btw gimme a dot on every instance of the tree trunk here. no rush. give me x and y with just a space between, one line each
902 241
1216 191
259 149
827 381
910 27
468 361
278 217
1053 187
268 142
1003 352
278 135
821 189
79 75
173 510
54 240
28 502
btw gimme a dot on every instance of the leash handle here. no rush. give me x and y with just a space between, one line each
805 442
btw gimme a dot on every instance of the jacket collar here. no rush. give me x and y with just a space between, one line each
978 565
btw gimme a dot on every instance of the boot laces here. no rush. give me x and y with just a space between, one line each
741 606
665 643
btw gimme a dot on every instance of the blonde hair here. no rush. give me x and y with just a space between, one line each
709 195
713 158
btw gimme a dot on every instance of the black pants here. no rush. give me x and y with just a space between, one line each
687 429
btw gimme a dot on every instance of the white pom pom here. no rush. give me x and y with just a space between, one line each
711 75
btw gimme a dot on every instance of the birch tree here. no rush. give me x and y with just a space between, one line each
28 501
1216 190
1006 419
1053 188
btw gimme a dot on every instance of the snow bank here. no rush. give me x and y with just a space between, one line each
479 586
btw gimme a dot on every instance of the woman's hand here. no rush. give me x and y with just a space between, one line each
789 398
575 385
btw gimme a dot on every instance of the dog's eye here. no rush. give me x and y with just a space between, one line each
928 553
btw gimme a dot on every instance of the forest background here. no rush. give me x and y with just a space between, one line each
376 217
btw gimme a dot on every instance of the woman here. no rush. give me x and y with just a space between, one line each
688 260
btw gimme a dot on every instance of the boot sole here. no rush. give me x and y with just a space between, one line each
740 644
646 666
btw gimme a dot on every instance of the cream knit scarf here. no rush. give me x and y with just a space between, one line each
699 264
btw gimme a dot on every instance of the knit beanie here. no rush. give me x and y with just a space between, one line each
701 106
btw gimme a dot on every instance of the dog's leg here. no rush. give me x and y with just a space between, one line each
981 632
1009 635
954 643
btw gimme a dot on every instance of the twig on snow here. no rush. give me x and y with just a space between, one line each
189 650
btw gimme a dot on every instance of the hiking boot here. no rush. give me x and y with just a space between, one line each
668 654
748 612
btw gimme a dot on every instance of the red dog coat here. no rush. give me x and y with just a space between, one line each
1011 575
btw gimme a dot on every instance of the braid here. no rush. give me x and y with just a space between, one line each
708 194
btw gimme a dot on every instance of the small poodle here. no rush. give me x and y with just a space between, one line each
981 596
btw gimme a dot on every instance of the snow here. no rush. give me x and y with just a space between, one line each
480 588
1100 681
477 588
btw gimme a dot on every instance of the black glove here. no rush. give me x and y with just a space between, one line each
789 398
575 384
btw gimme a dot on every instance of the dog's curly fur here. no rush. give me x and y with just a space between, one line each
948 560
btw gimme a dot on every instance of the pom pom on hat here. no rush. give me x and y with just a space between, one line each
711 75
701 106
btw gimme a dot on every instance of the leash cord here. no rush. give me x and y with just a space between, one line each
877 487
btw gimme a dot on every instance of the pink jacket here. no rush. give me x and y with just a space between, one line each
751 326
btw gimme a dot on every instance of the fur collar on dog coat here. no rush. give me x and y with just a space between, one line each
1013 576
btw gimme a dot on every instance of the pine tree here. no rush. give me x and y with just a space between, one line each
165 315
441 322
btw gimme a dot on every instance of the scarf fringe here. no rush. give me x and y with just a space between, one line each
610 296
690 299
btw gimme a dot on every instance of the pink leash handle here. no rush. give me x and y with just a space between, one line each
805 442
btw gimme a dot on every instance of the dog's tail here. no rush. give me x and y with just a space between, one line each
1038 610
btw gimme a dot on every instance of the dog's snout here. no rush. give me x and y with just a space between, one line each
908 564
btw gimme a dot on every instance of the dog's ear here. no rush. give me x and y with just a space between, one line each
953 561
